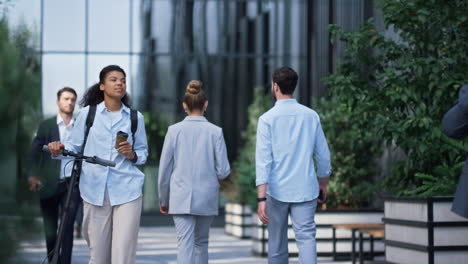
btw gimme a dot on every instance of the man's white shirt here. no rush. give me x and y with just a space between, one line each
64 131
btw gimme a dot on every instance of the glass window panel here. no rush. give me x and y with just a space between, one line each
162 25
59 70
298 14
109 25
97 62
163 90
136 75
252 10
213 26
25 12
137 25
64 25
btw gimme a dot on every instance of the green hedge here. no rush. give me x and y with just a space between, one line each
399 87
353 156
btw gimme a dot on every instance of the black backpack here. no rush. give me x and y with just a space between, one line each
90 121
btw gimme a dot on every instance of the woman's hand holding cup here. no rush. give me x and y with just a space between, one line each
122 145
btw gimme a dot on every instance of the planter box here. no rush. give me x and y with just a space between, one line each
324 236
424 231
238 220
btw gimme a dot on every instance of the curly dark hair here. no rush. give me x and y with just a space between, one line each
94 95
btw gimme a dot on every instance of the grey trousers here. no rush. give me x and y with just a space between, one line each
112 231
192 238
302 217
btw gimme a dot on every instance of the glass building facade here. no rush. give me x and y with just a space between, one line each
78 38
234 46
231 45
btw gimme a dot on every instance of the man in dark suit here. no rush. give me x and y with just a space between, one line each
455 125
50 177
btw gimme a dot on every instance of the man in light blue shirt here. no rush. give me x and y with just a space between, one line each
289 138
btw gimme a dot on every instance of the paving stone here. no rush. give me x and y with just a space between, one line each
158 245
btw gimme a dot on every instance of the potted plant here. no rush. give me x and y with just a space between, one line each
398 84
241 191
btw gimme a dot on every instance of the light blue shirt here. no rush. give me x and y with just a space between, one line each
289 137
193 161
124 182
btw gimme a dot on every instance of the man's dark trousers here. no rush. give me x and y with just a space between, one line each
51 209
54 192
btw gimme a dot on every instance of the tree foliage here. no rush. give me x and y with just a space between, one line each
398 85
353 156
19 115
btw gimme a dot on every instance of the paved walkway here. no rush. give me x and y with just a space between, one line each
158 245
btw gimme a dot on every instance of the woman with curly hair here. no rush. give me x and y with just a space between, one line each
112 195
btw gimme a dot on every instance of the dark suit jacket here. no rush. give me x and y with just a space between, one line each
41 164
455 125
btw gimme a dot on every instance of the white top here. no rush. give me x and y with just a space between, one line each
123 182
64 132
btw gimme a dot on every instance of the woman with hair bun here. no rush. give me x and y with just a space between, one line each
193 161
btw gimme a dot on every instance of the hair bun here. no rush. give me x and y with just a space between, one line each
194 87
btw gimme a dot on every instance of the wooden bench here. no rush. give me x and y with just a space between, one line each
353 228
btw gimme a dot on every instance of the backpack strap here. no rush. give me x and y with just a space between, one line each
90 121
89 124
134 124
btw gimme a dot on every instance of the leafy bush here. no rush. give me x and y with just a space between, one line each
441 183
399 88
353 155
243 189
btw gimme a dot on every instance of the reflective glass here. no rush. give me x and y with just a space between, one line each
97 62
64 25
109 26
59 70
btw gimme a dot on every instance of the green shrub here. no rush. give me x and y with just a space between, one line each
442 182
353 156
399 88
243 170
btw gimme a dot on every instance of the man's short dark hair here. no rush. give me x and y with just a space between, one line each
66 89
286 78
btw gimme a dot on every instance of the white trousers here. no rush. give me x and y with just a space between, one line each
112 231
192 238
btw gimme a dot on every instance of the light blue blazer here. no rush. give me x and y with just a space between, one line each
193 161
